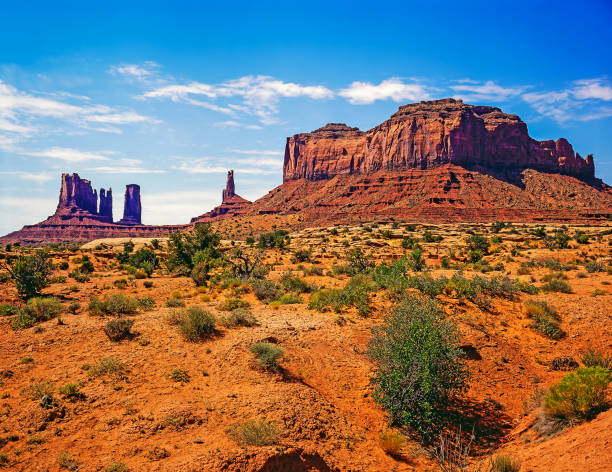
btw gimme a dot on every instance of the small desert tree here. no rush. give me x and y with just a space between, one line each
30 273
194 252
418 364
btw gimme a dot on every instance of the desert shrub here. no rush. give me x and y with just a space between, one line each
197 324
107 366
254 433
267 355
119 329
557 285
408 243
290 298
64 265
78 276
497 226
31 273
70 390
592 358
247 264
419 366
240 317
140 274
392 443
86 267
120 283
505 463
233 303
582 238
578 396
188 249
145 260
8 310
355 293
60 279
545 319
416 261
179 375
175 302
478 243
265 290
292 283
113 304
36 310
277 238
302 255
358 261
147 284
118 466
146 303
595 266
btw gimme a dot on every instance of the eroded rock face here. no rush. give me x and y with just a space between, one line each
76 196
131 209
427 135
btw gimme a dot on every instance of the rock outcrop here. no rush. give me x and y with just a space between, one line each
132 208
77 217
427 135
231 203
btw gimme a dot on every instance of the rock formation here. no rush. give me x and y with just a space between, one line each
131 207
427 135
231 204
106 205
77 217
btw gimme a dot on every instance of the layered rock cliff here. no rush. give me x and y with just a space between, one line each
427 135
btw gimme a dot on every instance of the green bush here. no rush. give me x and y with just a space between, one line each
419 366
86 267
290 298
479 243
557 285
355 293
578 396
175 302
64 265
8 310
267 355
254 433
114 304
116 330
31 273
265 290
70 390
545 319
107 366
36 310
179 375
240 317
188 249
292 283
232 303
277 238
196 324
416 261
146 303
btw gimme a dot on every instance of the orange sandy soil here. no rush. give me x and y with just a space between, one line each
321 401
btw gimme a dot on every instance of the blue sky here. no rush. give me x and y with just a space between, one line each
170 95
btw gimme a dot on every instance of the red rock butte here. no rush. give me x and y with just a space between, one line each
438 161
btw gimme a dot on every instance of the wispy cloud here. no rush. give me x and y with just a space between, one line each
30 176
260 95
364 93
582 101
67 155
220 165
136 71
485 91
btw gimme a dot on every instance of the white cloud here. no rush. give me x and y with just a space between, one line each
592 88
260 94
257 152
67 155
364 93
220 165
122 169
136 71
30 176
581 101
487 91
120 118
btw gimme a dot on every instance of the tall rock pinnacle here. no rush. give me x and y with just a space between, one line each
131 208
106 205
230 189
